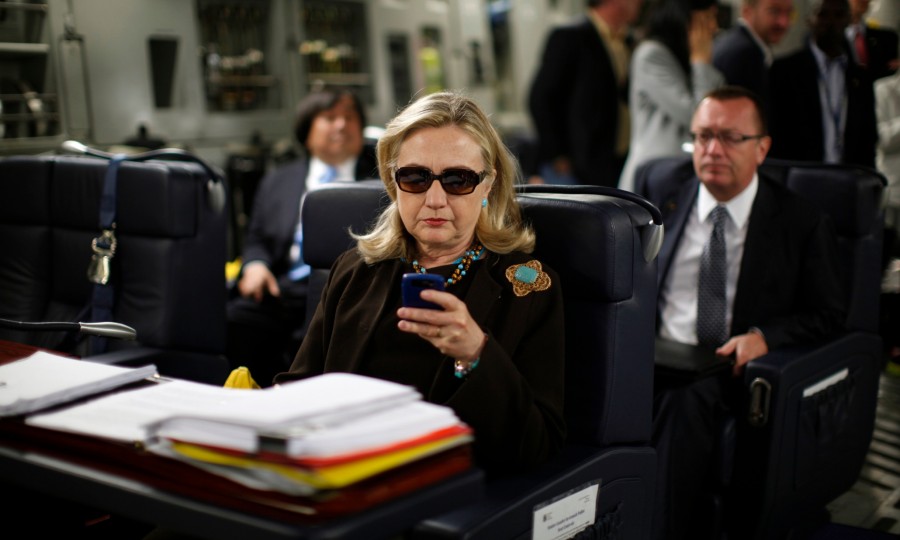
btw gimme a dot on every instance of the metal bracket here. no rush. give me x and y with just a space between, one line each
760 394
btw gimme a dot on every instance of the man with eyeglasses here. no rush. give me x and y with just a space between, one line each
746 267
744 52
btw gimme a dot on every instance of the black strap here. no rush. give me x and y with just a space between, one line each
103 297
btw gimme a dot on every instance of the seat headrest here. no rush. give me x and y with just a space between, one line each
579 236
333 210
850 196
153 199
577 233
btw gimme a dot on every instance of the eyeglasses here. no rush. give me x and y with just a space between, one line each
454 181
729 139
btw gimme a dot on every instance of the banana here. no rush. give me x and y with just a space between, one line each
240 378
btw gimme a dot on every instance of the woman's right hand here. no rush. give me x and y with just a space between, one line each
256 280
451 330
704 26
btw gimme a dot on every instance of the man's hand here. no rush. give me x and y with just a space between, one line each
744 347
701 33
256 281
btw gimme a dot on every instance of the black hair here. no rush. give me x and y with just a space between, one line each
732 92
316 102
668 22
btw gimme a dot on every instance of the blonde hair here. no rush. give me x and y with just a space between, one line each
499 227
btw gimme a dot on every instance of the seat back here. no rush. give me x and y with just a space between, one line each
593 240
851 196
602 244
810 446
168 266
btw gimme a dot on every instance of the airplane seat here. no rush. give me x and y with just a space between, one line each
597 240
810 411
166 273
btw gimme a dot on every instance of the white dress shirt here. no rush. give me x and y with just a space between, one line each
678 297
318 168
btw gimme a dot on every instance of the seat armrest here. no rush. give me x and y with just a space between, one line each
801 362
796 369
133 357
507 510
811 417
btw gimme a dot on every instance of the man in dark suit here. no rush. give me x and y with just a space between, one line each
744 52
579 98
777 287
873 48
821 103
265 319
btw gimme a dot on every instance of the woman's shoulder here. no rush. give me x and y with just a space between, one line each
348 261
649 49
652 59
514 257
352 263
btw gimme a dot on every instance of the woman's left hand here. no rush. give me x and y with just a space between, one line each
452 330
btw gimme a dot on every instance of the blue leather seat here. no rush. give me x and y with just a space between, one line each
595 238
791 452
167 270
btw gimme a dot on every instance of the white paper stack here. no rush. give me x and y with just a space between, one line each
43 380
292 410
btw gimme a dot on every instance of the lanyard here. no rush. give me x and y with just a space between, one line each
835 110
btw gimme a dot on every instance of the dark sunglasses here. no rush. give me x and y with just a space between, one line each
454 181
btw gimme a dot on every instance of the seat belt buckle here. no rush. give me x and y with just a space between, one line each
104 248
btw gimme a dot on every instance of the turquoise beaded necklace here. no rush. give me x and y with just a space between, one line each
462 264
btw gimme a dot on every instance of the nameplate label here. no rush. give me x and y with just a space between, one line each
566 515
831 380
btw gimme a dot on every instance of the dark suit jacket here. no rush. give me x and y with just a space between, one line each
276 210
574 103
881 45
513 399
738 56
788 285
795 112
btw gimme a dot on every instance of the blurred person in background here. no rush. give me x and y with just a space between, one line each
744 52
579 98
267 316
821 103
873 48
671 70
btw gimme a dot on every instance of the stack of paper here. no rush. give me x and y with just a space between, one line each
320 434
43 380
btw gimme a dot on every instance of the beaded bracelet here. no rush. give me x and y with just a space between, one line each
462 371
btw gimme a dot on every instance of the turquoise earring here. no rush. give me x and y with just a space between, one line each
484 202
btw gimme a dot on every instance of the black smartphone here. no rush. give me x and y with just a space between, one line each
412 286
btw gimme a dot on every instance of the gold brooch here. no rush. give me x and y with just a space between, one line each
527 277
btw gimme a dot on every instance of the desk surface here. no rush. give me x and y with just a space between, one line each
10 350
126 481
137 500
